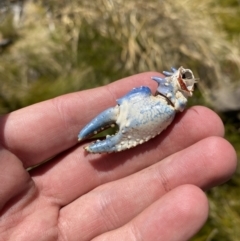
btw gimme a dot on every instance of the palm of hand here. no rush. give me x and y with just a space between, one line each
146 193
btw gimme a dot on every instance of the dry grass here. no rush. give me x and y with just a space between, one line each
152 36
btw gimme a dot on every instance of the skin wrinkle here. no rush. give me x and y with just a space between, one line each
105 222
161 176
21 179
62 236
13 217
146 219
4 129
44 227
152 190
106 206
56 227
3 142
180 166
111 216
65 224
135 233
62 112
62 227
214 145
18 152
48 191
164 181
54 199
217 120
109 228
165 176
113 95
204 157
106 92
85 112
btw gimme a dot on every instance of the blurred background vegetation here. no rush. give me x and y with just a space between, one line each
48 48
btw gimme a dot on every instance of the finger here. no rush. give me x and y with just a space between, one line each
68 174
14 179
112 205
177 216
41 131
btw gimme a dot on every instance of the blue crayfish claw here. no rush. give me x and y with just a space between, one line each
140 115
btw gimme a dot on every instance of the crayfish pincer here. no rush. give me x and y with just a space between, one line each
140 115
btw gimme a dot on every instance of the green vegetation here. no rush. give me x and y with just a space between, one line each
59 47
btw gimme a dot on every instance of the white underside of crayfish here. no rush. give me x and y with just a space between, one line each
140 115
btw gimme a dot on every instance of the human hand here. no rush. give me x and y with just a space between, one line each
150 192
